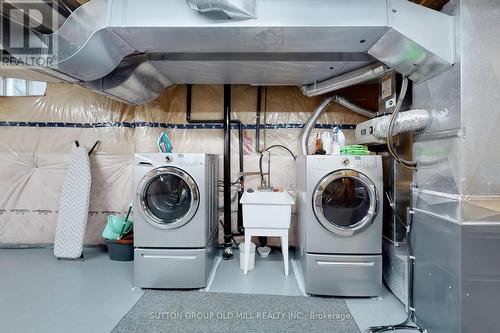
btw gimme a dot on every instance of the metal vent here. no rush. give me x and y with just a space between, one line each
232 9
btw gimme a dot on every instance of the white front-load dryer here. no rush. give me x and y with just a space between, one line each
175 219
340 224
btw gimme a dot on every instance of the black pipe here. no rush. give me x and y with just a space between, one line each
189 94
228 253
239 125
257 119
239 220
236 122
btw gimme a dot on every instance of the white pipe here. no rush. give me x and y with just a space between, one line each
409 121
359 75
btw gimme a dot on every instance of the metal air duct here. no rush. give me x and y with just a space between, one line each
232 9
266 42
357 76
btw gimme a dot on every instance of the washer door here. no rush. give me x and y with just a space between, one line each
169 197
345 202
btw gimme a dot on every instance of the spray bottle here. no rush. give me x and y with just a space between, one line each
335 141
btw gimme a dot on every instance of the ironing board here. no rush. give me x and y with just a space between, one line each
74 206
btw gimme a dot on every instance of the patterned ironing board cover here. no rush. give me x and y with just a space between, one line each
73 207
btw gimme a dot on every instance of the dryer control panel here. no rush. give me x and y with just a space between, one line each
363 161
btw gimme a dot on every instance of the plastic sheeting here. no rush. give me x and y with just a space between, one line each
37 134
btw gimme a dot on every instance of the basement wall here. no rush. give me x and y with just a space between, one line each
37 136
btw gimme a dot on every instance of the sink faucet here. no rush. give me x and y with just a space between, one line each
263 185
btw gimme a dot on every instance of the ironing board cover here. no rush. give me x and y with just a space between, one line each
73 207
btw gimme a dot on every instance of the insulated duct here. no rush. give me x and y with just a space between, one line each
308 126
357 76
408 121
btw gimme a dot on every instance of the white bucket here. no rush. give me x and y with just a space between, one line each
251 258
263 251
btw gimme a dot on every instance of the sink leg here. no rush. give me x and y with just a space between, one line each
284 250
248 237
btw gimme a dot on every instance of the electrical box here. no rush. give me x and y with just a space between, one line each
387 93
389 88
364 133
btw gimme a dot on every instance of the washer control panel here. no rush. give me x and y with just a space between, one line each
184 160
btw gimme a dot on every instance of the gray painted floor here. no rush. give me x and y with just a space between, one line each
384 310
41 294
268 277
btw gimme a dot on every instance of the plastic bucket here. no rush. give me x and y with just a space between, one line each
114 227
121 250
264 251
251 258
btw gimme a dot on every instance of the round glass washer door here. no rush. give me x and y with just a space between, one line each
345 202
169 197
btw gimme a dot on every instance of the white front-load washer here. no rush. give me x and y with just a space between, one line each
175 219
339 203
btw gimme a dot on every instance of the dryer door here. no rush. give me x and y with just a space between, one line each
345 202
169 197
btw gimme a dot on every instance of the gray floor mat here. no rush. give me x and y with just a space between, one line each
194 311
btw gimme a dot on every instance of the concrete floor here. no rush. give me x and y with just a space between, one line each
268 277
41 294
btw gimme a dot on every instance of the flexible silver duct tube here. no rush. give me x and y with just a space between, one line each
353 107
308 126
360 75
408 121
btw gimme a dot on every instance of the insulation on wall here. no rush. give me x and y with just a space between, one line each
37 134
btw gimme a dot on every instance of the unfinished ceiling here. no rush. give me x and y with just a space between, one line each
132 51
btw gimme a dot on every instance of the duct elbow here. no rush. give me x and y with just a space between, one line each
308 126
304 90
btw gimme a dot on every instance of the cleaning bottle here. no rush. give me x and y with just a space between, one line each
318 146
327 142
335 142
340 136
